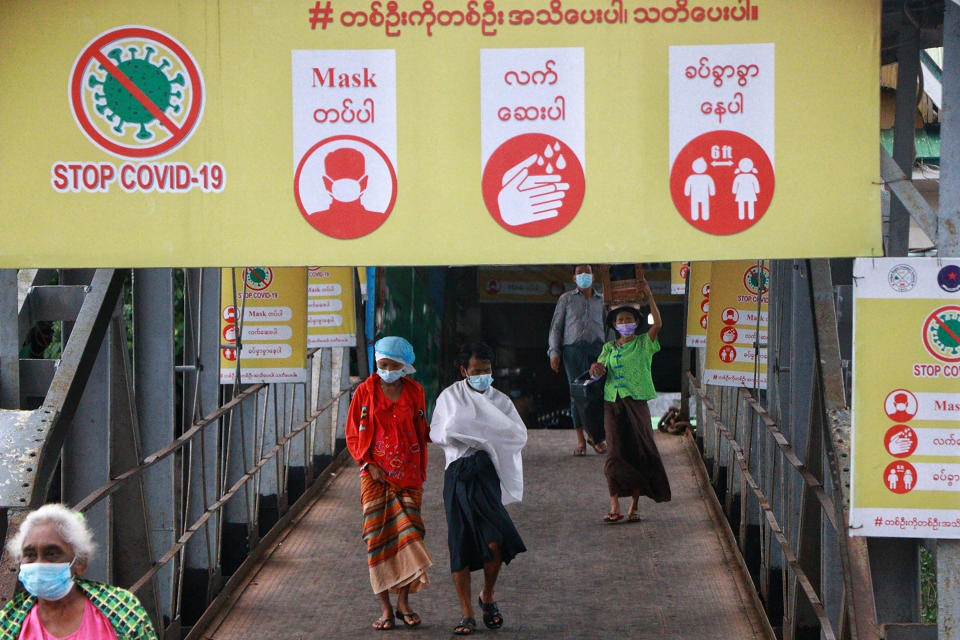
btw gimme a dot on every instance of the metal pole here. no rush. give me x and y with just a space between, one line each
908 61
948 244
9 341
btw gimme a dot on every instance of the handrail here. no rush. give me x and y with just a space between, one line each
808 589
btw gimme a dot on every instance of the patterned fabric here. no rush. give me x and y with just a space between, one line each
576 318
392 435
393 531
124 611
628 369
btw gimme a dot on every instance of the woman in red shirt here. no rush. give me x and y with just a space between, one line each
387 434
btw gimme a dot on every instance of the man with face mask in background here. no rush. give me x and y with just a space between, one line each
576 337
345 180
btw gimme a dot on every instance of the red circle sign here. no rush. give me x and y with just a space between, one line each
345 186
728 353
941 333
900 441
533 185
900 476
730 316
900 405
136 92
722 182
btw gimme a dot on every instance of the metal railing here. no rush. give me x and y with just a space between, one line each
779 462
176 510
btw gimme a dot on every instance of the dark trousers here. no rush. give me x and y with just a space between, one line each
577 358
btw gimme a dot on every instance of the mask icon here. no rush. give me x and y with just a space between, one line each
346 189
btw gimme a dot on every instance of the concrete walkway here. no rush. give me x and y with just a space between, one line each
670 576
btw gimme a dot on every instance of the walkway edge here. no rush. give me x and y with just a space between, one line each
748 594
222 604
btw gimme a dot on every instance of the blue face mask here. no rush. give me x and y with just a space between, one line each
47 580
481 382
390 376
627 329
583 280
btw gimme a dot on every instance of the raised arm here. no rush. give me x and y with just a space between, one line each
654 311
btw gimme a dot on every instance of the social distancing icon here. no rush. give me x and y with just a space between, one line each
722 182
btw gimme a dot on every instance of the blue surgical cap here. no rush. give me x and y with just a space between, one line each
395 348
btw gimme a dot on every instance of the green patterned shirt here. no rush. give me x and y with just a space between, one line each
124 611
628 369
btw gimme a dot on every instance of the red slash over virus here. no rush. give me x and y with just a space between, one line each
136 92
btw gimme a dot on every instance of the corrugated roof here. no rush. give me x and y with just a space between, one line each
927 144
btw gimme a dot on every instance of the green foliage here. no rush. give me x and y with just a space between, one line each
928 587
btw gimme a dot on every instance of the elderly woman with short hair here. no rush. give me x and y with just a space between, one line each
53 547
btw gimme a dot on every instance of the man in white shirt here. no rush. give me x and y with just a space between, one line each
482 435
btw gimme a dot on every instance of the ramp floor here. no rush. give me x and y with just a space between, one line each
672 575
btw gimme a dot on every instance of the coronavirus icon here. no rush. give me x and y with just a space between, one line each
116 101
136 92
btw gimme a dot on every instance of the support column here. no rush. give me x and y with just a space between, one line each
201 395
9 341
948 245
85 464
908 68
154 388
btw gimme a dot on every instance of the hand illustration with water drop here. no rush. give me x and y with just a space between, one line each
526 197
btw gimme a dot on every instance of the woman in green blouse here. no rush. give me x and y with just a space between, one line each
633 466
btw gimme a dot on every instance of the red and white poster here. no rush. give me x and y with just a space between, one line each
345 139
533 140
722 135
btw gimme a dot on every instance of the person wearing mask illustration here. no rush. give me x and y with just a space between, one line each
576 337
482 436
633 466
387 434
345 181
54 546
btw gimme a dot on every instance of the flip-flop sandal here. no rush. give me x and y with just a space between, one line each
403 615
465 627
579 452
383 624
599 447
610 518
633 517
491 614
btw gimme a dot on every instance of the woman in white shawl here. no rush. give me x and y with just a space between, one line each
482 435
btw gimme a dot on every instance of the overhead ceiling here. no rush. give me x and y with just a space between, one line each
927 15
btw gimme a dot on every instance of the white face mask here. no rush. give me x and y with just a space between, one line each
346 189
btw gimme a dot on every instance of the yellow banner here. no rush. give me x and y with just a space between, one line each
698 305
545 128
906 398
331 315
523 284
737 324
678 277
270 313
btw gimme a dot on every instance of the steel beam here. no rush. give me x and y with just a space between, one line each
831 400
153 348
908 69
9 341
948 244
201 395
